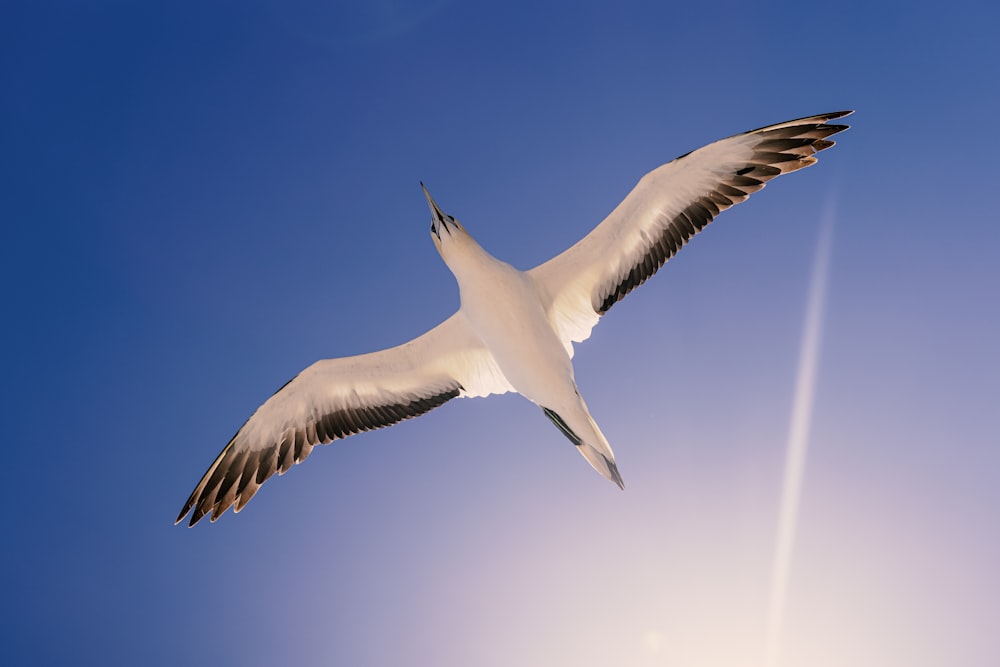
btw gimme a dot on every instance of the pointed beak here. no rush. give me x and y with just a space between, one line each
438 219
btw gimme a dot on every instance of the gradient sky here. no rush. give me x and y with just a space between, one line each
200 199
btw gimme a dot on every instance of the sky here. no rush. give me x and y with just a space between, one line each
201 199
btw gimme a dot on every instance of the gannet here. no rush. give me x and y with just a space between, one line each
514 330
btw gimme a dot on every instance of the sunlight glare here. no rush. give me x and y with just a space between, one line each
798 440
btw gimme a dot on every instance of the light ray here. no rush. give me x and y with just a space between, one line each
798 440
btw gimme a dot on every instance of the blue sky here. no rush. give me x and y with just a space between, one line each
200 199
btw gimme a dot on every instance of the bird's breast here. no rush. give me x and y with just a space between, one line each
504 309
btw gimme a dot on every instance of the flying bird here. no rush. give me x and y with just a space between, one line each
514 330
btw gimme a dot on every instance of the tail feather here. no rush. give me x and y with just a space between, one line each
589 441
603 464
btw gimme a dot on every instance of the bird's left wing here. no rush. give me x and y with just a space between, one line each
335 398
666 208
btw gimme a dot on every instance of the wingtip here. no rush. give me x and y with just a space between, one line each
184 513
826 118
838 114
192 509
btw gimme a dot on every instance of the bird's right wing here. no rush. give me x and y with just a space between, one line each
335 398
666 208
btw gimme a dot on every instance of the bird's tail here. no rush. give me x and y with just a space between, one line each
582 431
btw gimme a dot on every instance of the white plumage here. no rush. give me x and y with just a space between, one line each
514 330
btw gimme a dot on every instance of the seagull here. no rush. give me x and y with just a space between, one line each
514 330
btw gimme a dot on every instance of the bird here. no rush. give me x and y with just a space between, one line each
514 331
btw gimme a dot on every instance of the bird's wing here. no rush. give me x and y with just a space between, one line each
335 398
666 208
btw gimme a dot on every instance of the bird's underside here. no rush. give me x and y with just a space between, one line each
466 355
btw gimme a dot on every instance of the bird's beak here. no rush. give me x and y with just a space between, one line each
438 219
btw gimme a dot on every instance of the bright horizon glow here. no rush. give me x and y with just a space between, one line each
798 439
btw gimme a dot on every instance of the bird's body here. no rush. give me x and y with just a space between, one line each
505 312
514 330
505 308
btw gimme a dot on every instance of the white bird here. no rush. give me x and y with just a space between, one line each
514 330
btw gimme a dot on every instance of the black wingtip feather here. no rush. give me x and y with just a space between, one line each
838 114
777 149
235 476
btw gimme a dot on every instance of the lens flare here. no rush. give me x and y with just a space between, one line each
798 440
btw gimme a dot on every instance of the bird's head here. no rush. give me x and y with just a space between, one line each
447 232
